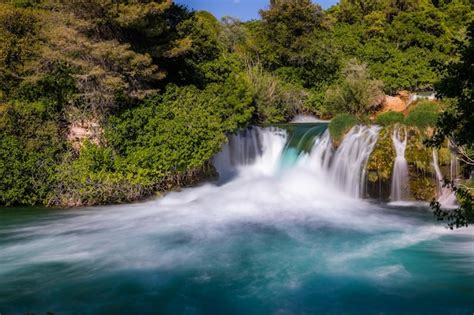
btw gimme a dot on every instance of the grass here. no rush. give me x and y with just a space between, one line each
340 125
389 118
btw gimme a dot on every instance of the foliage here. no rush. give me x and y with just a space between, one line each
456 123
287 26
166 85
18 38
97 176
275 100
463 215
417 154
357 94
423 115
340 125
389 118
30 147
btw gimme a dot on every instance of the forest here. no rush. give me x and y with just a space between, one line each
110 101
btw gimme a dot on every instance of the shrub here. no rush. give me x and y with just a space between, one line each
423 115
425 106
389 118
30 148
358 94
340 125
275 100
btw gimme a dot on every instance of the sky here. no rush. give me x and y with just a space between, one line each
242 9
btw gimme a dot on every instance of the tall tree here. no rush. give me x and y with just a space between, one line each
456 124
286 27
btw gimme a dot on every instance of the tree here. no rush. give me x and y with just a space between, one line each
18 44
286 27
456 124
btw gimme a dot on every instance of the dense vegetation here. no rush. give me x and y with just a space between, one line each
110 101
456 124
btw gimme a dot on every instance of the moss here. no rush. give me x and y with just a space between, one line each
417 154
422 186
380 163
420 158
444 156
340 125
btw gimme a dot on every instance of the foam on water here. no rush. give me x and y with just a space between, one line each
260 235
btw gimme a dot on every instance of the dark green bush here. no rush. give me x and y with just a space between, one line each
30 149
389 118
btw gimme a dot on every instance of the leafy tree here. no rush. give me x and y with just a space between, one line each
456 124
18 43
286 28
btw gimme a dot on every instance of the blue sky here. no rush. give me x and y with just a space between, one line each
242 9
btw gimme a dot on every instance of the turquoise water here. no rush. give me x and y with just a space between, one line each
270 240
301 140
81 262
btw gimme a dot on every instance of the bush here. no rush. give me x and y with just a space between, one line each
423 115
389 118
425 106
276 101
30 149
340 125
358 94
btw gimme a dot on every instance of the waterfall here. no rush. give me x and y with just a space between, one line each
270 151
303 139
446 197
348 169
400 186
255 148
453 167
320 157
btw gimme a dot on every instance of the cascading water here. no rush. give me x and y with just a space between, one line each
303 137
306 146
255 148
400 187
348 169
446 197
266 241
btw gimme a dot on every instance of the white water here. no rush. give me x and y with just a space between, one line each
348 169
446 197
400 187
255 150
307 119
265 234
258 151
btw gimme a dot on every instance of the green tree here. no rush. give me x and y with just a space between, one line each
286 27
456 124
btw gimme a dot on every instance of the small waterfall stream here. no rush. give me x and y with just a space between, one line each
400 188
348 169
446 197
